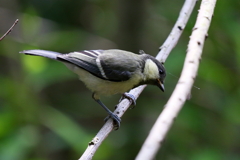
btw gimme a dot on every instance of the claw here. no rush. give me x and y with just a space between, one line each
116 120
130 97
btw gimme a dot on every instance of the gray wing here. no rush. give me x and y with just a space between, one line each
93 62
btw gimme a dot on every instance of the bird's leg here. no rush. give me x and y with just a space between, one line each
116 119
130 97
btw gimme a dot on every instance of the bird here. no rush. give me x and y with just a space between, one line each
109 72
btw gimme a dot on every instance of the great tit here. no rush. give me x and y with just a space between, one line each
108 72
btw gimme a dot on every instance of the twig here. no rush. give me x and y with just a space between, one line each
124 105
9 30
185 83
177 30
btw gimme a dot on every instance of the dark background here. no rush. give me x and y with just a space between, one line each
47 114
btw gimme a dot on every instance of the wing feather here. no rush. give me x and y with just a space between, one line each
83 59
103 63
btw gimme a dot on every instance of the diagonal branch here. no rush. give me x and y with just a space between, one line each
9 30
177 30
166 48
185 83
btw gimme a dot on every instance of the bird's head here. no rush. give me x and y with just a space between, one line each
154 72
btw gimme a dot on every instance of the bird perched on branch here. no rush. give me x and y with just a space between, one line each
108 72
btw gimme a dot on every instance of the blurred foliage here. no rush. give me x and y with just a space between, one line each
46 113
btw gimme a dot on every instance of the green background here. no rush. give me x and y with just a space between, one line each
47 114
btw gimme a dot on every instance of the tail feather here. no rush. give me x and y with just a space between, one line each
43 53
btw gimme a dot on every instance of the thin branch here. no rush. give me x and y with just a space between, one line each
9 30
177 30
185 83
166 48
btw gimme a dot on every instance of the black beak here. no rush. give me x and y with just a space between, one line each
160 85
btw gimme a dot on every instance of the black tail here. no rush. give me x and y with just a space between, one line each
43 53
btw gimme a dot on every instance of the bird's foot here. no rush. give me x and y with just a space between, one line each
130 97
116 120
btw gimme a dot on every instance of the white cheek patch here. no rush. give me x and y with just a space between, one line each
150 70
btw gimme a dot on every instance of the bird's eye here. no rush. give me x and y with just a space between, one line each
161 71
